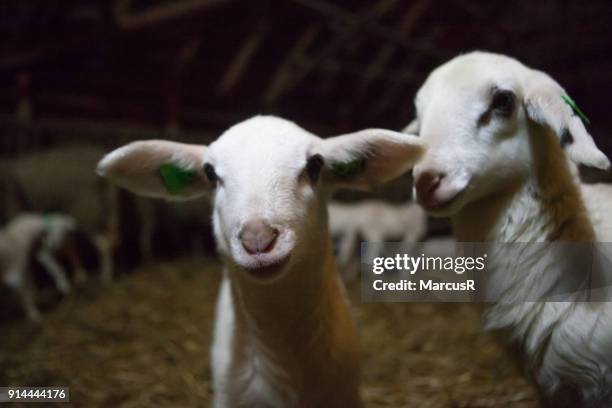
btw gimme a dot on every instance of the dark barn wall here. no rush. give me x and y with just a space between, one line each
106 72
109 71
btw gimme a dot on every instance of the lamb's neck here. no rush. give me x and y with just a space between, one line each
546 206
298 322
529 215
291 296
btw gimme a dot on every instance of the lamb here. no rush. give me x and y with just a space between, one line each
283 335
499 137
69 185
33 234
597 197
375 221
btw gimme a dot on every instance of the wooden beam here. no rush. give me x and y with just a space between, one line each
283 75
391 93
184 57
347 31
409 68
100 131
359 71
337 13
20 58
127 20
301 67
473 8
348 37
376 67
240 62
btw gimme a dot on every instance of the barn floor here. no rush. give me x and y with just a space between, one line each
144 342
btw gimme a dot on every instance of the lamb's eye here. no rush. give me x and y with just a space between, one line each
313 167
210 173
503 103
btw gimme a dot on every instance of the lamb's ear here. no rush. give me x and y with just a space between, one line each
412 127
368 157
157 168
547 103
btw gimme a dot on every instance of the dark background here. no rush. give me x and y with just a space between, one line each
105 72
117 70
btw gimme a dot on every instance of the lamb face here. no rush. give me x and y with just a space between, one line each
476 114
267 194
269 179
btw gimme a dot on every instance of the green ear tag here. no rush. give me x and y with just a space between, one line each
176 178
566 98
348 169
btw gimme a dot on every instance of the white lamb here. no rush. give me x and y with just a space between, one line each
598 199
283 333
375 221
499 135
39 235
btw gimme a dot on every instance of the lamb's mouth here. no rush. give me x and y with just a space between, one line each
267 270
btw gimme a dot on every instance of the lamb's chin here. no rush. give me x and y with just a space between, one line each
267 271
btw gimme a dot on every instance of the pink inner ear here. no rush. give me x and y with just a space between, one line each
136 167
547 108
383 157
393 158
148 156
583 149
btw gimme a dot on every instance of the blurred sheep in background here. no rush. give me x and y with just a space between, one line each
373 221
33 235
63 180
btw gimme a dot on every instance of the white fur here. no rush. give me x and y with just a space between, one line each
508 180
33 234
284 339
598 199
375 221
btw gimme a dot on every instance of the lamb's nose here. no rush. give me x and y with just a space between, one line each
427 182
258 237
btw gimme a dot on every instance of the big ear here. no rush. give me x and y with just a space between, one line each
412 127
545 104
371 156
157 168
